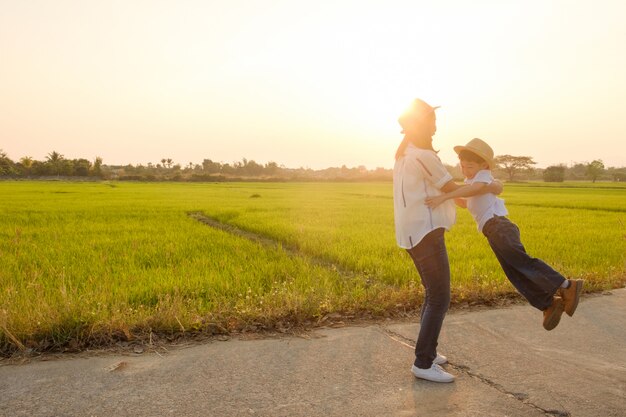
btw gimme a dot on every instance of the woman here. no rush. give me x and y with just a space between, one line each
418 174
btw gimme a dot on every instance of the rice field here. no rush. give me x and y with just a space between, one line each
90 264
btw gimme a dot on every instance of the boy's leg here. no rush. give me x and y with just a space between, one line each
431 259
539 281
551 312
527 288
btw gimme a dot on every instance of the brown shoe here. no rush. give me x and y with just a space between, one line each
552 314
571 295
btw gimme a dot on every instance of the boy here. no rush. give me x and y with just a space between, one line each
543 287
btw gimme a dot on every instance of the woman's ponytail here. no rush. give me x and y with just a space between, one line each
402 147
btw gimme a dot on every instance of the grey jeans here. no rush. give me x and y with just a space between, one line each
431 259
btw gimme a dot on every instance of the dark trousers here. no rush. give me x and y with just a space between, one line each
532 277
431 259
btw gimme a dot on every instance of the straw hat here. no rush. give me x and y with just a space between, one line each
415 113
480 148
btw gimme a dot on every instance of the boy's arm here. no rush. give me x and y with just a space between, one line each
468 190
453 190
494 187
461 202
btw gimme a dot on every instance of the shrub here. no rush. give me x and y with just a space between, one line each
554 173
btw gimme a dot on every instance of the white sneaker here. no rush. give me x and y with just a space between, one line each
440 359
435 374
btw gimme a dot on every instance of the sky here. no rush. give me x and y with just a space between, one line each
310 84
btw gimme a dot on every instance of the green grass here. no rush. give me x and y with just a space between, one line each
599 196
87 264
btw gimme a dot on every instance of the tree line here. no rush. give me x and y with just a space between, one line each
514 166
55 164
509 167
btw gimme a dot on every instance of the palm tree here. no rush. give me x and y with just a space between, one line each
6 165
27 161
27 164
54 156
54 159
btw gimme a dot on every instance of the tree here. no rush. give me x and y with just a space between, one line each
25 165
512 165
40 168
7 166
595 169
66 167
576 172
617 174
82 167
251 168
211 167
554 173
271 168
97 166
228 168
54 160
27 161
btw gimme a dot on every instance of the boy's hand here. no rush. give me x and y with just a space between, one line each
433 202
461 202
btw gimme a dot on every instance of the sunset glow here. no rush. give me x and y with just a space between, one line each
308 84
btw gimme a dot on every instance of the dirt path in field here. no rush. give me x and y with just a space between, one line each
271 243
505 363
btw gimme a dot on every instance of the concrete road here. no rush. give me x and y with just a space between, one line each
506 365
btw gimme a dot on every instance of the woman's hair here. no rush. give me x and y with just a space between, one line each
415 119
470 156
402 147
410 138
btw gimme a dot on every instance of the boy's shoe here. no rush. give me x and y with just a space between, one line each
440 359
571 295
435 373
552 314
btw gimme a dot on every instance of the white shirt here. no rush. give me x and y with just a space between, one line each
483 207
417 175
